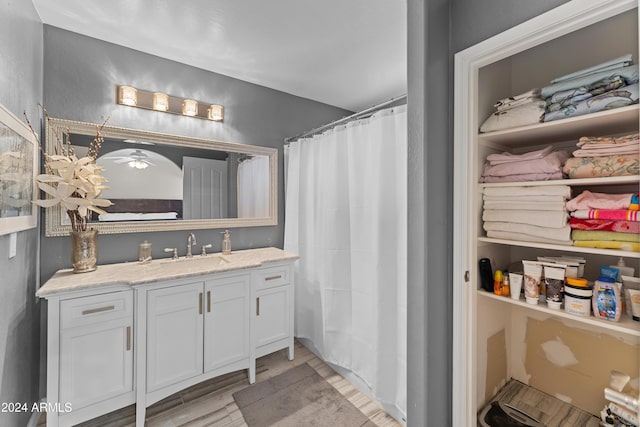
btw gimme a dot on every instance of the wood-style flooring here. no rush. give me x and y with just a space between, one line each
211 403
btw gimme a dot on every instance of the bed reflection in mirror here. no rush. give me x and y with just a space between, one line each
149 181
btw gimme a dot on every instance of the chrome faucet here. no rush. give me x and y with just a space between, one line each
191 240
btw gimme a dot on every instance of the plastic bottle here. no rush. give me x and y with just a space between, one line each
497 282
623 269
226 242
606 299
506 287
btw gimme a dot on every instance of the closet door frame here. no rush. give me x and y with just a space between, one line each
555 23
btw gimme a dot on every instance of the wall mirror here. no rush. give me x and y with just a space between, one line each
163 182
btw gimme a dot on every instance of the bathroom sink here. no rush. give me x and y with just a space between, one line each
209 260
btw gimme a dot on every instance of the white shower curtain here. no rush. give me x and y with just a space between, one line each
253 187
346 216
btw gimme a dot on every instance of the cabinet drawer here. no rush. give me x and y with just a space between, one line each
272 277
94 309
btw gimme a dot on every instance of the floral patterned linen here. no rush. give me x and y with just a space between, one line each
597 167
621 97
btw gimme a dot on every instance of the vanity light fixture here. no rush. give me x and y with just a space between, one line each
128 95
160 101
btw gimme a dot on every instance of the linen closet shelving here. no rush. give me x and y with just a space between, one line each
496 338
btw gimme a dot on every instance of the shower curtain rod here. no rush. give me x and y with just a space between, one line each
362 114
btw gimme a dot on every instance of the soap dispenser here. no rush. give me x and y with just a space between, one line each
226 242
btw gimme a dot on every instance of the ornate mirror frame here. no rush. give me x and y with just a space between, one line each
55 217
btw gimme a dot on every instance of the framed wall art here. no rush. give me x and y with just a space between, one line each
18 168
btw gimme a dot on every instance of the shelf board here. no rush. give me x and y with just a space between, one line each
609 180
564 248
625 325
609 122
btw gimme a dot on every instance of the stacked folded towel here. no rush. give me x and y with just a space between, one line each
519 110
601 220
530 214
611 84
605 156
539 165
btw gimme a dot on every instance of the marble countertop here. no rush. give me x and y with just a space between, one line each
134 273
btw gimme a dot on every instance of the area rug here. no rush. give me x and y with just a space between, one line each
297 397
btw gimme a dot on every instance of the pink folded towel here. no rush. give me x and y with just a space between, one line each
589 200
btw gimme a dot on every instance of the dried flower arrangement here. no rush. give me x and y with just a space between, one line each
74 183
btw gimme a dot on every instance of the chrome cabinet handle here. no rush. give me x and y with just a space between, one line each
200 302
258 306
279 276
98 310
128 338
208 301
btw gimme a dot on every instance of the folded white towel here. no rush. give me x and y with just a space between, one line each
524 199
534 206
563 233
540 190
553 219
506 235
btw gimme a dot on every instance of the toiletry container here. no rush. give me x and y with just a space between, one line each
629 284
226 242
577 297
486 274
623 268
506 287
606 299
144 252
497 282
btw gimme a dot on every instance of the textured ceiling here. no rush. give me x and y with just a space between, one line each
351 54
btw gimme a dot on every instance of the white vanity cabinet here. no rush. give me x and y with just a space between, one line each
90 352
226 321
497 338
196 329
194 319
174 334
273 310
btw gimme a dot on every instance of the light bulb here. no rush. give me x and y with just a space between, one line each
190 107
128 95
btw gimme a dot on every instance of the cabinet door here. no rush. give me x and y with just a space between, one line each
96 362
174 334
272 315
226 327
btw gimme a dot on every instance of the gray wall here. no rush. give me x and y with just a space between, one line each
80 80
20 90
436 30
80 84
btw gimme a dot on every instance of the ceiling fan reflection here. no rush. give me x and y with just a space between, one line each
137 160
